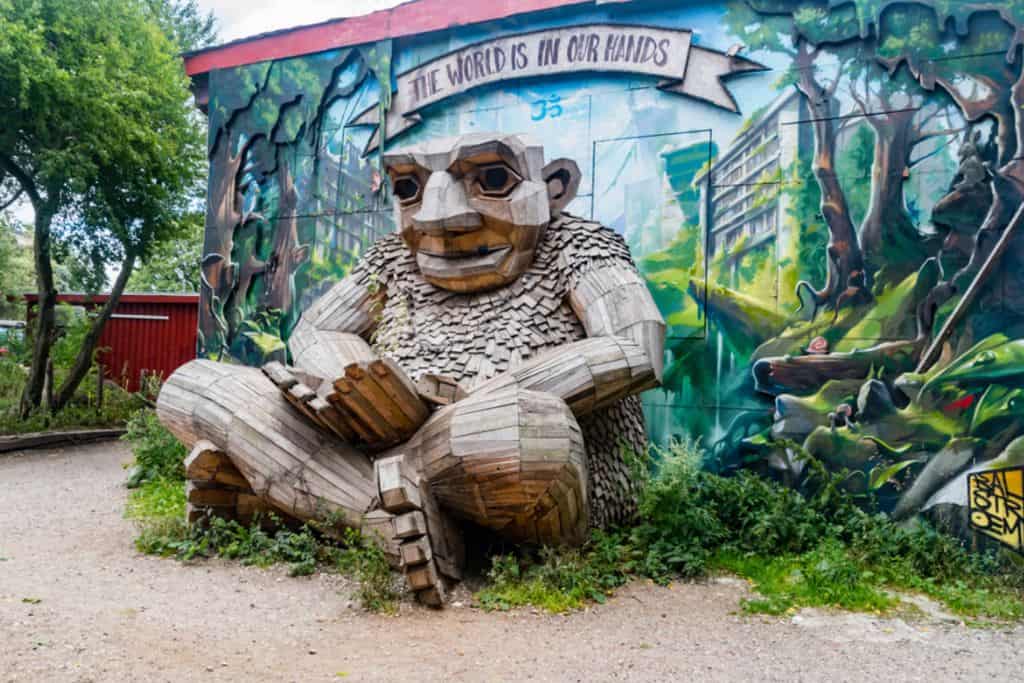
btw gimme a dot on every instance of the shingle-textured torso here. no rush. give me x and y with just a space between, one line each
473 337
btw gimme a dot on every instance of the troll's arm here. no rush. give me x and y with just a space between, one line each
621 356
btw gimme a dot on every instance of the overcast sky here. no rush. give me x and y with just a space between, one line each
241 18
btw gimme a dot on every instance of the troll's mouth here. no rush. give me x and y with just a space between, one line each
482 259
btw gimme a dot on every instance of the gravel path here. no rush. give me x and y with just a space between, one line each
78 603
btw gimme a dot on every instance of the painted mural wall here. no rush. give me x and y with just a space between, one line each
834 243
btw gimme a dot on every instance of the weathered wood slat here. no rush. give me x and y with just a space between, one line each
289 463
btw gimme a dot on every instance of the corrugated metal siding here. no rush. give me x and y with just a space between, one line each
149 346
158 343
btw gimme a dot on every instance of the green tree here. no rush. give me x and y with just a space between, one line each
174 264
184 23
99 136
16 276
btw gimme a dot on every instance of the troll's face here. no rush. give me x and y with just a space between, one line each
473 208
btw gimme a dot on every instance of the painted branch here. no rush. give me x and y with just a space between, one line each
931 355
799 374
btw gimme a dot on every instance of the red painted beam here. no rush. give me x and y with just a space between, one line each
99 299
418 16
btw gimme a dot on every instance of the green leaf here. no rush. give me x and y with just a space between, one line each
880 476
266 343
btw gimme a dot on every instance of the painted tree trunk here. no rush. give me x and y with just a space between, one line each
222 216
893 248
846 280
287 254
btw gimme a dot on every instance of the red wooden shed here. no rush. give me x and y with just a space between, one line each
148 333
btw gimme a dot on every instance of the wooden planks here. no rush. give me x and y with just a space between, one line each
512 461
20 442
289 462
216 488
424 534
588 374
373 403
440 390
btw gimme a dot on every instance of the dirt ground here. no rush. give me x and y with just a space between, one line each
78 603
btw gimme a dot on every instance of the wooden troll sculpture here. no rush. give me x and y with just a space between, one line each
481 364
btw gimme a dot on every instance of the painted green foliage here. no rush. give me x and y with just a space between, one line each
888 177
266 158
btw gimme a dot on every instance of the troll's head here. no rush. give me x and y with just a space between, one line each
473 208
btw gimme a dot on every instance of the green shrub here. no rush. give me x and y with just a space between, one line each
557 580
809 548
158 509
364 559
12 379
81 411
158 454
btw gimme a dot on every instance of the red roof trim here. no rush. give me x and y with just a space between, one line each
419 16
125 298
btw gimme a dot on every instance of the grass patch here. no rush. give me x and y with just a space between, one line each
157 507
824 577
557 580
157 498
810 548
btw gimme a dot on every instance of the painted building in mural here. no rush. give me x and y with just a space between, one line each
822 196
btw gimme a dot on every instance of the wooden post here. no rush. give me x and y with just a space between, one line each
99 387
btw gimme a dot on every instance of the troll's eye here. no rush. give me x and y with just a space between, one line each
407 188
497 180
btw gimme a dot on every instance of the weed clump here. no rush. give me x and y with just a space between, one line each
158 454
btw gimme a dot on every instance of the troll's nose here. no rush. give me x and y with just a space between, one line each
445 206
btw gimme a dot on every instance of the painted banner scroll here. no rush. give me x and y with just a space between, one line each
996 500
664 53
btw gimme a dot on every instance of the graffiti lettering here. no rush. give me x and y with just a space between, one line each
583 48
635 49
425 85
547 51
665 54
471 67
519 58
549 108
996 504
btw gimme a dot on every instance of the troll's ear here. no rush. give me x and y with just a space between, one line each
563 179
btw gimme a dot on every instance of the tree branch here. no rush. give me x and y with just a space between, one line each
21 191
23 178
937 134
861 104
911 163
